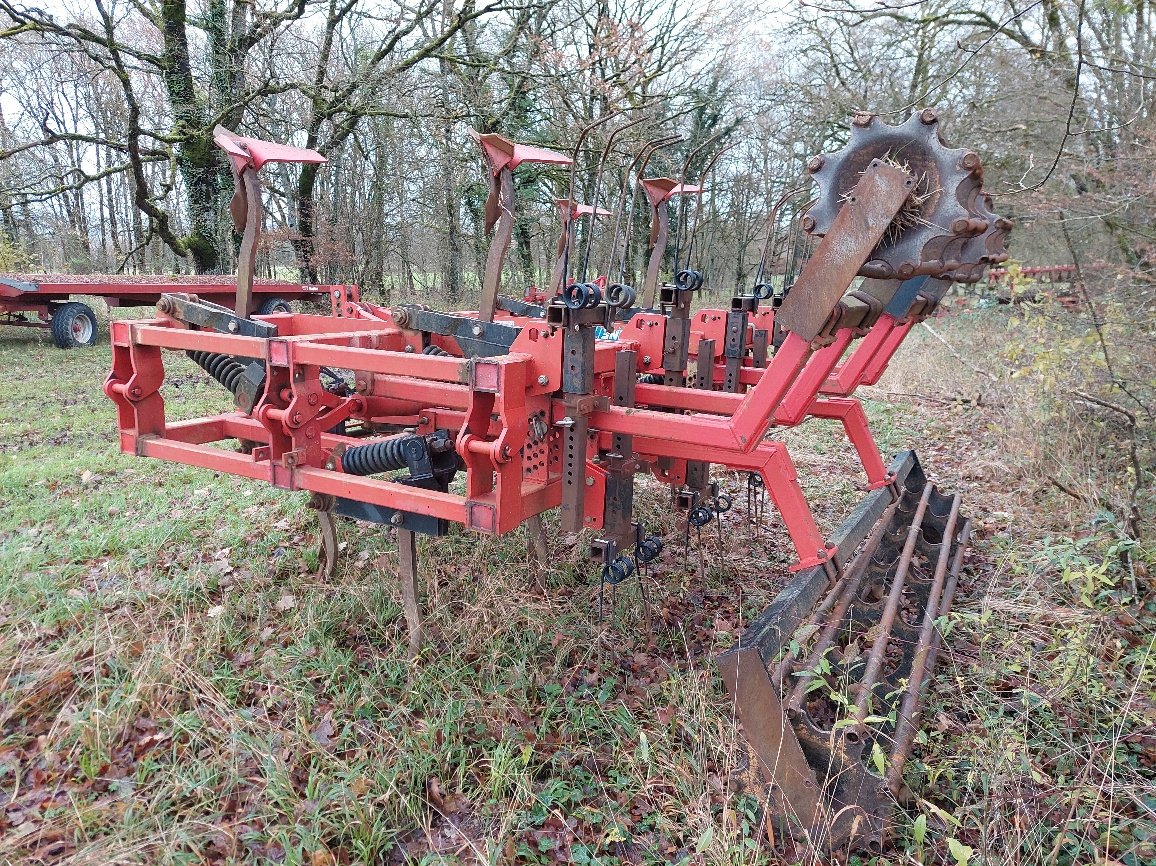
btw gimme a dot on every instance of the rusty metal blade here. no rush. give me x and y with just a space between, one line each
860 225
768 732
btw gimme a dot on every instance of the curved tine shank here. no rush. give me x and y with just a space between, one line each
793 248
698 202
772 229
636 167
585 131
682 180
597 189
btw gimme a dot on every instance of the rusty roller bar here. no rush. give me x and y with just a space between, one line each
925 658
874 626
833 608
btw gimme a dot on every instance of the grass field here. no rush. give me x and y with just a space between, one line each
178 687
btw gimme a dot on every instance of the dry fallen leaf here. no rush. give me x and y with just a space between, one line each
215 611
286 602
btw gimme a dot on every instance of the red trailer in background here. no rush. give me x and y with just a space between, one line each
72 323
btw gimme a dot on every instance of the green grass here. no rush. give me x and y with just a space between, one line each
178 686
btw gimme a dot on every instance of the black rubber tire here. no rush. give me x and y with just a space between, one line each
273 305
73 325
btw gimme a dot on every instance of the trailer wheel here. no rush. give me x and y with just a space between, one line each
274 305
73 324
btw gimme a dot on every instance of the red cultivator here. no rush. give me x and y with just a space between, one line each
537 411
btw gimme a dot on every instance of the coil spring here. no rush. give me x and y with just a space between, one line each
434 350
579 295
384 456
649 549
620 295
700 516
688 280
617 571
650 379
224 368
764 291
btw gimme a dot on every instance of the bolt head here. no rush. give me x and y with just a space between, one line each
862 120
476 330
233 327
815 163
808 223
409 349
543 380
928 115
312 399
646 359
589 481
397 519
337 293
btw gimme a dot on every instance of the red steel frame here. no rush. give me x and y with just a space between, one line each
503 489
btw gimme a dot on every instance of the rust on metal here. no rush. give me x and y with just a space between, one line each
860 224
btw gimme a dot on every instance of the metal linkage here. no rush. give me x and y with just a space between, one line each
537 412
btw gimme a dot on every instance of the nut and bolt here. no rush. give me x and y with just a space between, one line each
543 380
645 359
928 115
970 161
589 481
233 327
135 392
424 419
808 223
409 349
312 399
815 163
165 305
862 119
397 519
476 330
296 417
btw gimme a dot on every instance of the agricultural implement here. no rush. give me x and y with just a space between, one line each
46 300
500 415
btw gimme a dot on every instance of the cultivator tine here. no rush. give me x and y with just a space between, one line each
502 157
698 208
327 553
772 229
582 134
327 559
597 191
246 156
690 157
407 573
636 167
536 537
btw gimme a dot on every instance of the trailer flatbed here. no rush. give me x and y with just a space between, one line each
46 300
